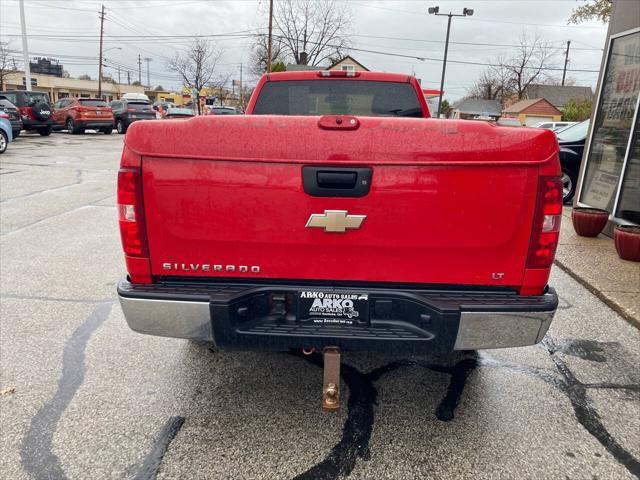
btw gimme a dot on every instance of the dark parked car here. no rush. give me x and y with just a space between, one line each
35 109
126 112
571 140
14 115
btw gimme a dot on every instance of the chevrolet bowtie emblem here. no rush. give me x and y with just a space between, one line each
335 220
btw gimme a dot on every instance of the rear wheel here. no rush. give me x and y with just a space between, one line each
71 127
44 131
120 127
4 141
107 131
568 185
16 133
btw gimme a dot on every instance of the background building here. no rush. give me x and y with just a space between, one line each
558 95
532 112
60 87
470 108
610 171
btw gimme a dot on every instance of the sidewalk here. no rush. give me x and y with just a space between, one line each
595 263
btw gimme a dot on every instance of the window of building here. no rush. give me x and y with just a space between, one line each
613 123
629 201
348 68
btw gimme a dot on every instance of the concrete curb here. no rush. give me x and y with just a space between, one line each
615 306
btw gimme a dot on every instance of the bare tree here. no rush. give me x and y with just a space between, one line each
8 64
259 54
510 75
197 66
319 28
493 84
528 64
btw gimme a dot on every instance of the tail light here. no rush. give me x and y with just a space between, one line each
4 115
130 212
546 226
131 110
131 219
82 109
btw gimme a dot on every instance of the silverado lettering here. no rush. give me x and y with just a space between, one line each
209 267
362 223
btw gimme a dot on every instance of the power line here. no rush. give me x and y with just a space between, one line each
508 22
465 43
422 59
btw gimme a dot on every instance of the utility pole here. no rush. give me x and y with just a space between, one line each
25 50
147 59
100 57
241 92
434 11
118 75
128 77
139 70
270 39
566 61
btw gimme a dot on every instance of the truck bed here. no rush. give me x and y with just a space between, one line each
449 202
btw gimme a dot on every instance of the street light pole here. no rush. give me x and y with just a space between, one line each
25 50
435 11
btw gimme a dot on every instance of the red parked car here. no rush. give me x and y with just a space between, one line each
77 114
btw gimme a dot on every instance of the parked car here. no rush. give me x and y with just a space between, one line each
78 114
221 110
509 122
176 112
14 115
6 134
127 111
35 109
571 140
553 125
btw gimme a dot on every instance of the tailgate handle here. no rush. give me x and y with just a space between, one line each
336 181
331 179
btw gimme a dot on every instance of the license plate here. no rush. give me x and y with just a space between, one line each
343 308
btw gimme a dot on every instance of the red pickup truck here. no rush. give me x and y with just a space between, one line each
336 213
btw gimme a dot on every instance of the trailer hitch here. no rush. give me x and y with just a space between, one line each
331 379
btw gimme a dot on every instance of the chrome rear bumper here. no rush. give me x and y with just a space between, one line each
454 320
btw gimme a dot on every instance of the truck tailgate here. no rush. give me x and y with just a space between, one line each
448 202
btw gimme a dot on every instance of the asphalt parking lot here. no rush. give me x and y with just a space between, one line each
82 396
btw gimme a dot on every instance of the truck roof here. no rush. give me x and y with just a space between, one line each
314 74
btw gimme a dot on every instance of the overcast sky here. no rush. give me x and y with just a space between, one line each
416 34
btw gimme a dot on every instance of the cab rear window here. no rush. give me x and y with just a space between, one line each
338 97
